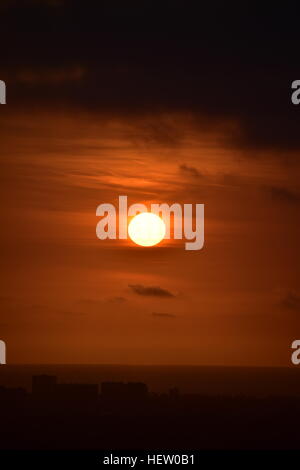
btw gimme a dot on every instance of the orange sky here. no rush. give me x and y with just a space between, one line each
67 297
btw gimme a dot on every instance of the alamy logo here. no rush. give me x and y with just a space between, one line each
2 352
296 94
149 228
296 354
2 92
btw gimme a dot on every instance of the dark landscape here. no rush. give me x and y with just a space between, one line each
128 415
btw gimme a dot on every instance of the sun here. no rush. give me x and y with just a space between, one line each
146 229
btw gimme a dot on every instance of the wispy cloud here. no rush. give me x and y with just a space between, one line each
51 76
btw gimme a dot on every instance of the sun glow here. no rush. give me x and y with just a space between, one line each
146 229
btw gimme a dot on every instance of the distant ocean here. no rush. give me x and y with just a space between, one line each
211 380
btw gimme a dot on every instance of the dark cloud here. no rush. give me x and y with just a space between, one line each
45 3
284 195
50 76
163 315
189 170
203 71
291 301
151 291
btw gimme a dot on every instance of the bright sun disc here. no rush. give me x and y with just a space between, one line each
146 229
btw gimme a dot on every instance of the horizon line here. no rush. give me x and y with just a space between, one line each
290 366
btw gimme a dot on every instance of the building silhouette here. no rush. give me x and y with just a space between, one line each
127 396
125 415
43 385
